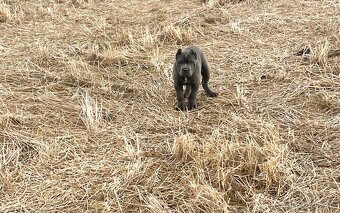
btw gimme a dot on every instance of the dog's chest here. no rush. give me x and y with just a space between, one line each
189 81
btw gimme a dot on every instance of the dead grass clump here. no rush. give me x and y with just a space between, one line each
76 81
46 55
5 13
106 60
327 102
241 95
208 198
11 118
157 60
100 42
19 148
323 52
96 33
155 204
320 52
224 2
177 35
11 11
336 68
149 40
92 112
142 40
123 38
75 2
221 2
333 53
213 19
254 160
133 56
82 1
184 148
75 73
263 165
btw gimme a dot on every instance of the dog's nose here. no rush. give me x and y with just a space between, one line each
185 69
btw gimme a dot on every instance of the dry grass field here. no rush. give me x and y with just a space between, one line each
87 118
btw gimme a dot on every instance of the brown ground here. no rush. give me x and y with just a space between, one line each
86 103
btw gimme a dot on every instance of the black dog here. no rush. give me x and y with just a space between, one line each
189 66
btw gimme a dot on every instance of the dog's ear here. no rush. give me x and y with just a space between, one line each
179 51
194 53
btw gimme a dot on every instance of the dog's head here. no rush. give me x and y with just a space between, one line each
186 62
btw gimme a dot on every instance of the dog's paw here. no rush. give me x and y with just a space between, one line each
180 107
192 105
212 94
